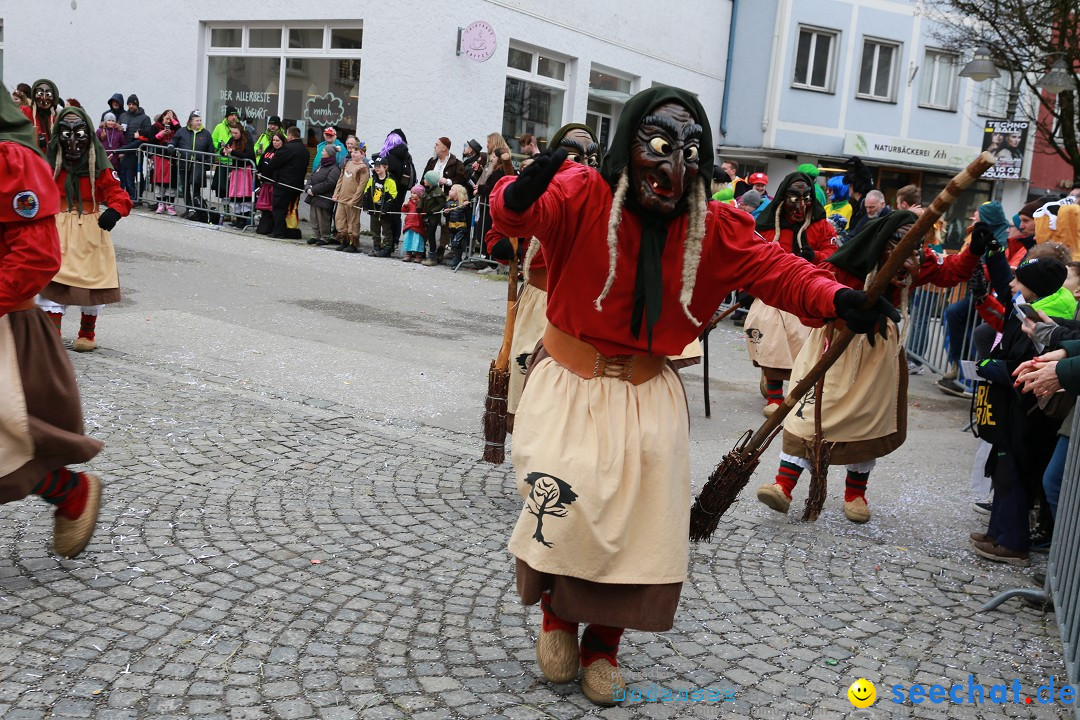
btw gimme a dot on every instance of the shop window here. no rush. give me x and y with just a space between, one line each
815 59
877 74
273 75
346 38
534 95
606 83
305 38
269 38
940 79
226 37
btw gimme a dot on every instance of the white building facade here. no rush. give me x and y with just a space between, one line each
460 70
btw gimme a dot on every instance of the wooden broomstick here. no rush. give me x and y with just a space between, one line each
499 375
735 470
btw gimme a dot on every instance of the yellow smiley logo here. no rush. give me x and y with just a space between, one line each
862 693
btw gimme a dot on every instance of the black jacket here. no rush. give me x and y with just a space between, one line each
322 183
136 121
118 111
290 163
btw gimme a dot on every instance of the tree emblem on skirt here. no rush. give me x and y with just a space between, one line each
549 496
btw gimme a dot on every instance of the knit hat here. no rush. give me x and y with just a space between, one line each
230 110
1043 276
417 189
810 169
274 120
751 199
431 178
445 142
133 98
1029 209
109 117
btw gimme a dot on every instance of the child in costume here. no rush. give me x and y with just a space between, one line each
457 211
864 401
41 422
88 276
412 236
637 262
349 194
431 207
379 195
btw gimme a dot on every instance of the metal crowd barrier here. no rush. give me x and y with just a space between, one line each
1062 586
208 187
926 340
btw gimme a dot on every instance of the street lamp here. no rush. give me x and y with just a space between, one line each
1056 79
981 67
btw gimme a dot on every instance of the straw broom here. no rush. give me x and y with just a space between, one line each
818 451
499 375
734 471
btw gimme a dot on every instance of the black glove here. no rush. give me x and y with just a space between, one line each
745 300
983 240
502 250
533 181
979 288
805 252
849 304
107 219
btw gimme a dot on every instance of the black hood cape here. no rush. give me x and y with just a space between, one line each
862 253
767 219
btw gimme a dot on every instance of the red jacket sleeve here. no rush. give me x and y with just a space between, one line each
822 237
29 244
948 272
555 215
110 192
992 312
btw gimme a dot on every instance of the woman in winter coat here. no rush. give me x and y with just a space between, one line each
241 176
164 177
318 191
264 201
349 194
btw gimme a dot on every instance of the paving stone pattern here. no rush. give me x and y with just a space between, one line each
263 555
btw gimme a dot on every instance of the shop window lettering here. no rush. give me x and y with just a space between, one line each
245 96
323 110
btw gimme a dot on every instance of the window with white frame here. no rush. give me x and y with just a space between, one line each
306 73
535 93
940 79
877 72
992 99
815 59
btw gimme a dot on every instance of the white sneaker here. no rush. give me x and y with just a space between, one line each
915 368
160 208
486 271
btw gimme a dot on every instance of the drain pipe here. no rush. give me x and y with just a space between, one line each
727 68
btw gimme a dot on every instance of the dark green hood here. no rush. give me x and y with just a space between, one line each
862 253
648 280
617 157
14 126
766 220
555 139
101 160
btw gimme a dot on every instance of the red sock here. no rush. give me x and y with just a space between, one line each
57 319
551 621
600 641
855 485
66 490
787 476
774 391
86 327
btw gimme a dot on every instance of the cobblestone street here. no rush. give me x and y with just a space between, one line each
297 524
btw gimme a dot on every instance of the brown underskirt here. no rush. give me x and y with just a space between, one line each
850 453
83 297
638 607
52 404
685 362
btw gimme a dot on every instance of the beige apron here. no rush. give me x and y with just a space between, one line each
859 398
529 326
89 260
16 445
691 355
604 467
773 337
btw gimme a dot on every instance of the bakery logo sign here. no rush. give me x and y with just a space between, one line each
323 110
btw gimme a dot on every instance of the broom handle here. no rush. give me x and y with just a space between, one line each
911 240
502 361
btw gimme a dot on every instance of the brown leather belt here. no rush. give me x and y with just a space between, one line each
538 278
24 305
581 358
